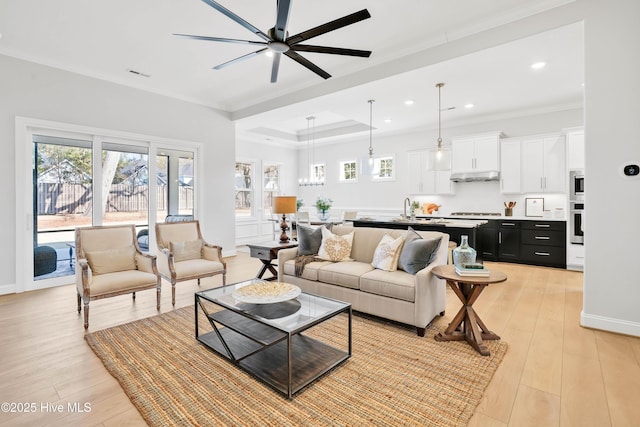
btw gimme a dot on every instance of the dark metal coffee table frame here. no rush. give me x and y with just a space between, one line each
279 355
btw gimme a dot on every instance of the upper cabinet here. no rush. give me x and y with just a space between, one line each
510 169
575 148
429 174
480 153
543 164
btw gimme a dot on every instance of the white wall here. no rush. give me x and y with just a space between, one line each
612 138
388 197
40 92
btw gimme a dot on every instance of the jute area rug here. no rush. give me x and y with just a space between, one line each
394 377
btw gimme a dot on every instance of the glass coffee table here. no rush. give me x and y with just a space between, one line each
270 338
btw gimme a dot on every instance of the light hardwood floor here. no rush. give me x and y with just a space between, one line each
555 373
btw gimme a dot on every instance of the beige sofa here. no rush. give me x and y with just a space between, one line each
407 298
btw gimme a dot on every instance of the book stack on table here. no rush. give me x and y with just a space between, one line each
470 270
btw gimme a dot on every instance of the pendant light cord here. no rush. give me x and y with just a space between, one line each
439 86
371 101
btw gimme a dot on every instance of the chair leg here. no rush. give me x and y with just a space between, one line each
79 302
158 297
224 279
173 294
86 315
133 294
198 282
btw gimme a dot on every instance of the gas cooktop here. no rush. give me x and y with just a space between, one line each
476 214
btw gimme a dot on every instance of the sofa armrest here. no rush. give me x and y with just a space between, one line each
431 292
285 255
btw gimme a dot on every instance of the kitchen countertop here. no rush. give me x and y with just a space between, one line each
496 217
441 222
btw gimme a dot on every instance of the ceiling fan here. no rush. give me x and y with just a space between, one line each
278 41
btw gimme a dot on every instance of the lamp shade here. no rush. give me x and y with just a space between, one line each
284 204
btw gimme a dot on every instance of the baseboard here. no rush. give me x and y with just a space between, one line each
8 289
610 324
230 252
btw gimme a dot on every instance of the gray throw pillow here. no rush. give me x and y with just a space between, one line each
417 252
309 240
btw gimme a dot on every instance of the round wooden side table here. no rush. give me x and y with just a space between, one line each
468 289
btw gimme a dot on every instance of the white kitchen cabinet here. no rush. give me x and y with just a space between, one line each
510 168
427 175
476 153
575 149
543 164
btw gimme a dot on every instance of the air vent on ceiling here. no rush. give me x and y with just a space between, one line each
138 73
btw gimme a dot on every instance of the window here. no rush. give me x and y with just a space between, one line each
317 172
384 168
348 170
271 182
244 190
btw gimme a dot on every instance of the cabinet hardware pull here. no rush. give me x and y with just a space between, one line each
542 253
500 237
542 237
510 224
543 225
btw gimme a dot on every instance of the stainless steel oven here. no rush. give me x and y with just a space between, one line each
576 222
576 180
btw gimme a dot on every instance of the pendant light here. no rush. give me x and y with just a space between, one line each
439 152
311 130
371 101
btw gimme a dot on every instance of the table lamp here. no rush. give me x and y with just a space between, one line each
284 205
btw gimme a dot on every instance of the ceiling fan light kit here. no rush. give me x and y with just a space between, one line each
277 41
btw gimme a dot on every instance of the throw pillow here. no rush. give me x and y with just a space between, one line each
183 251
309 240
112 260
417 252
387 252
334 247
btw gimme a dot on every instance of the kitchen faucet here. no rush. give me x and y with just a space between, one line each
406 201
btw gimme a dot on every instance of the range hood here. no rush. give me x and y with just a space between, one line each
475 176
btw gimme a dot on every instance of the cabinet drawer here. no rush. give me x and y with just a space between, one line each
544 225
544 255
261 253
543 237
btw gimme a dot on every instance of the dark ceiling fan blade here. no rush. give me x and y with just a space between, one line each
308 64
333 50
219 39
329 26
240 58
275 67
236 18
282 18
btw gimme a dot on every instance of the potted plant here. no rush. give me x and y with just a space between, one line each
299 203
323 205
414 207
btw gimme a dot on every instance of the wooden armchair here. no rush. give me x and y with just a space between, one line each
184 255
110 263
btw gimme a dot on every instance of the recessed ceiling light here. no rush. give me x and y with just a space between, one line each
0 35
538 65
409 102
387 120
468 106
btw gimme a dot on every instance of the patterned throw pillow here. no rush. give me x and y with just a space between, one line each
335 248
387 253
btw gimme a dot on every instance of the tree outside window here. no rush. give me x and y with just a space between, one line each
244 189
271 182
348 171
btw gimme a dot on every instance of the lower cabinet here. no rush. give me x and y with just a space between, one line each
522 241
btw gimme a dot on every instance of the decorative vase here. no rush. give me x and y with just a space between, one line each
323 215
464 254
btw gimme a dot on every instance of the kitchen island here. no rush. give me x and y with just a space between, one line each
455 228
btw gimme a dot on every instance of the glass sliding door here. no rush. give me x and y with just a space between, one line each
62 201
176 183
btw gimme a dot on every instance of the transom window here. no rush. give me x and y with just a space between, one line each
348 171
384 168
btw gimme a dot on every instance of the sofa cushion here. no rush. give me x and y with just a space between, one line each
309 240
183 251
112 260
387 252
417 252
310 271
335 248
397 284
346 274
